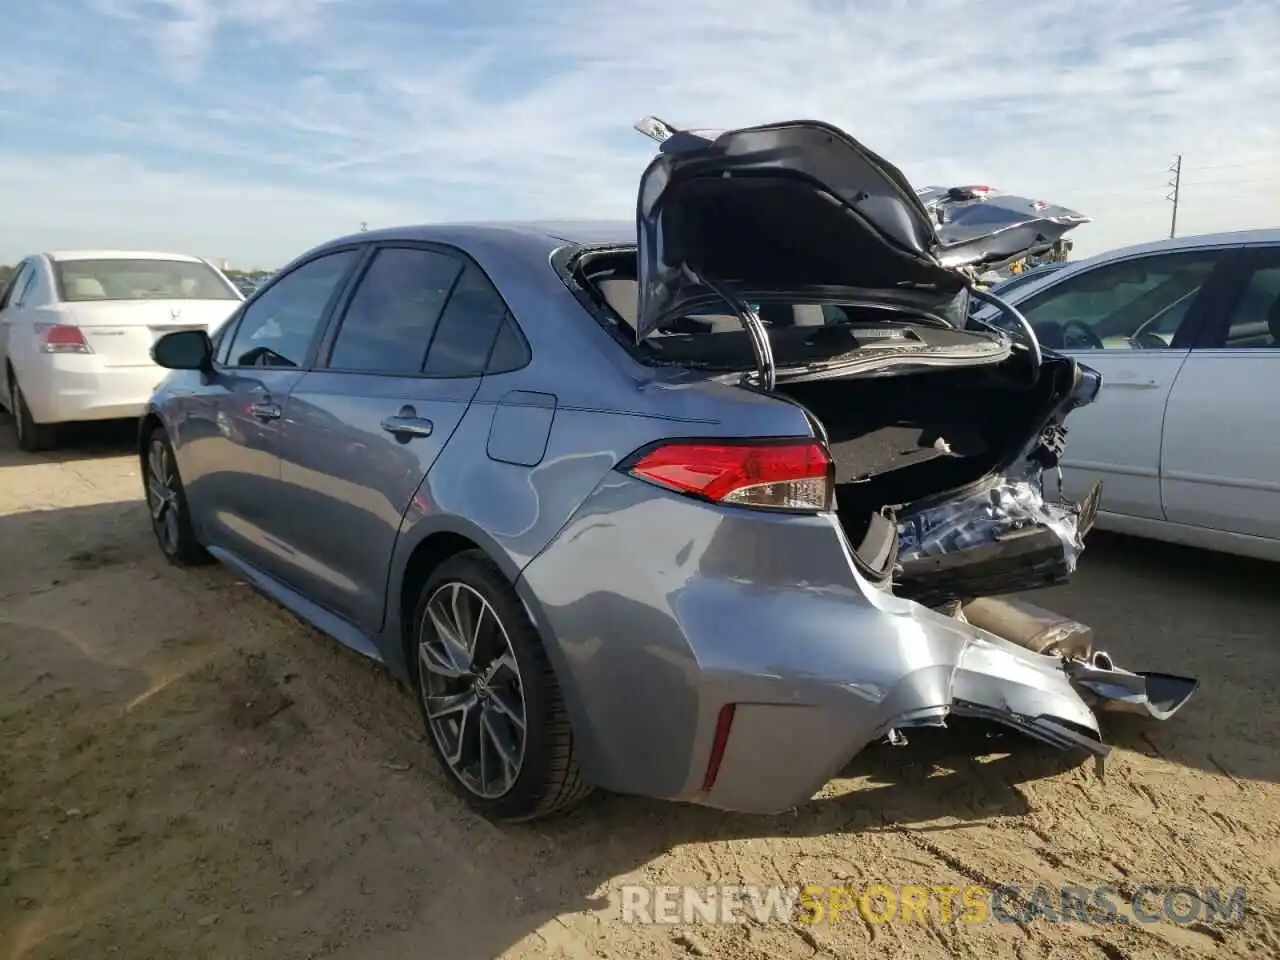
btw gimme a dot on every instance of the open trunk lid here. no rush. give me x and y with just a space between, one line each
801 209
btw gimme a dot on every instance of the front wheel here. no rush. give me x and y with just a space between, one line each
167 504
494 713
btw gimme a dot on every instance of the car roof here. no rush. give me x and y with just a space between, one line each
58 256
579 232
1204 241
1231 238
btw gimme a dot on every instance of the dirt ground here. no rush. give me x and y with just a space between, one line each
186 771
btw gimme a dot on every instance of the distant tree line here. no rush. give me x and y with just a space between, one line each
6 272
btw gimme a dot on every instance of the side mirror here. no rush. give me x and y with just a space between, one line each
184 350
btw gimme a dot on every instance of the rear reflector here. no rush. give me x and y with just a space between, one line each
61 338
767 474
724 723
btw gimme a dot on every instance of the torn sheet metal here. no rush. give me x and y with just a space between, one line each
1003 539
990 516
1109 689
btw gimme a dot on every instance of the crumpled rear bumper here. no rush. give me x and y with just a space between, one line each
777 755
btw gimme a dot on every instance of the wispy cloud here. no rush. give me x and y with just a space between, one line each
252 128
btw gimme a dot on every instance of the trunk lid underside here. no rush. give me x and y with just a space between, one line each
938 472
802 209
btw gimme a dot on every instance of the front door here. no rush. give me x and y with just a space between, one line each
231 426
399 370
1129 320
1221 468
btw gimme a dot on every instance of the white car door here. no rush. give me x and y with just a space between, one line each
1221 466
11 316
1129 320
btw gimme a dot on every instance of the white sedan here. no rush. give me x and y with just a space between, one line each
76 330
1184 435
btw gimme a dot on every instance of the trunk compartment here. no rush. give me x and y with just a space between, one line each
938 476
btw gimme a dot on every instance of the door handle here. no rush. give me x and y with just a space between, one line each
1128 378
265 411
407 424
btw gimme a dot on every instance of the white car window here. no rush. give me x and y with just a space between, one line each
1138 304
24 289
1254 320
17 285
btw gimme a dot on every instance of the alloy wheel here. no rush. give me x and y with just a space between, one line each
162 496
472 690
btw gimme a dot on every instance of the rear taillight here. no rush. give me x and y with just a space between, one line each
767 474
61 338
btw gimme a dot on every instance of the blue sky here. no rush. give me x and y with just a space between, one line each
251 129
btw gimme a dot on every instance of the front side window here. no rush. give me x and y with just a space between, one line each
82 281
1131 305
394 312
277 328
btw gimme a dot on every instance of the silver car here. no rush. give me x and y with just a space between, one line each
686 508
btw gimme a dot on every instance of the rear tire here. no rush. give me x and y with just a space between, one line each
474 695
32 437
167 503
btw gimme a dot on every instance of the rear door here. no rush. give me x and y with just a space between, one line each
1220 466
1131 320
230 427
396 374
10 317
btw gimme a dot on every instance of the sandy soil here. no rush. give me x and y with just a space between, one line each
186 771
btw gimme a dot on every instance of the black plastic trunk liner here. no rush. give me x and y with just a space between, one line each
896 446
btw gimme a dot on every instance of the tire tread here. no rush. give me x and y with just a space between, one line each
563 785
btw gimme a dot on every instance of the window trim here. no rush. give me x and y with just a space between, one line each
338 315
7 298
1236 276
340 289
1191 332
20 300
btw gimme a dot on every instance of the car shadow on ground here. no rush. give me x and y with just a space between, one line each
76 441
1172 609
275 824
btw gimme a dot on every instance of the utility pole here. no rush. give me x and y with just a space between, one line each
1175 196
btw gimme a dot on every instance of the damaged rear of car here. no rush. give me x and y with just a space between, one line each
790 262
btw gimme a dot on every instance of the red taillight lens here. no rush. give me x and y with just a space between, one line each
775 475
62 338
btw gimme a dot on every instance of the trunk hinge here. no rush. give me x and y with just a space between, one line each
766 369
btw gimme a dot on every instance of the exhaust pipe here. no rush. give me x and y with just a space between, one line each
1037 629
1106 687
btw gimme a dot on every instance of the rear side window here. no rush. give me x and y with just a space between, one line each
395 312
470 329
129 279
1254 320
